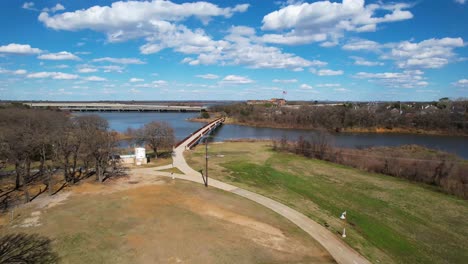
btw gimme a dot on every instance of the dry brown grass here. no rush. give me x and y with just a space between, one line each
146 219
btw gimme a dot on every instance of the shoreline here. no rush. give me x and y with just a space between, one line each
356 130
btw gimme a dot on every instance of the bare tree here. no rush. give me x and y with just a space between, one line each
157 135
99 142
24 248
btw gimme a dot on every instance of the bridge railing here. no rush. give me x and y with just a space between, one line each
210 125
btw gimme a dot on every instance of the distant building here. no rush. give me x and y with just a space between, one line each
274 101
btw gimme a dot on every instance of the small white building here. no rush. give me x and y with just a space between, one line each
138 158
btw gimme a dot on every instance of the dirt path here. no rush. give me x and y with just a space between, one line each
339 250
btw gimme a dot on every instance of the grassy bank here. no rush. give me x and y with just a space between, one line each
389 220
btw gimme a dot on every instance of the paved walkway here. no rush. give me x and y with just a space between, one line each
338 249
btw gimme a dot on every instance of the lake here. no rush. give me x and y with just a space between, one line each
121 121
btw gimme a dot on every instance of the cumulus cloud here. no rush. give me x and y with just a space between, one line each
208 76
29 6
95 79
405 79
158 22
63 55
132 19
432 53
159 83
120 60
461 83
305 86
236 79
87 70
328 85
112 68
325 20
363 62
52 75
326 72
15 72
20 72
136 80
428 54
362 44
20 49
242 47
57 7
285 81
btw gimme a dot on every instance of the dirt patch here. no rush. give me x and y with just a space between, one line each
149 219
32 221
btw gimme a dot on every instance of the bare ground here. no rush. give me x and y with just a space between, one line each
143 219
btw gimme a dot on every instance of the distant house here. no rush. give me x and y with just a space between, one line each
273 101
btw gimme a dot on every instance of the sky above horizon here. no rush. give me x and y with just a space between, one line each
346 50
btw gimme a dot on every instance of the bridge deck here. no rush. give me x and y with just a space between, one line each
194 137
117 107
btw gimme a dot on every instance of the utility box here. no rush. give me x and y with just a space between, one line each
140 156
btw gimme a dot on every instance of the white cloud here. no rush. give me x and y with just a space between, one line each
427 54
28 6
63 55
461 83
62 66
431 53
120 60
95 79
87 70
325 20
157 22
460 1
327 72
15 72
328 85
21 49
285 81
136 80
405 79
236 79
208 76
305 86
52 75
112 68
361 44
341 89
20 72
133 19
241 47
57 7
363 62
159 83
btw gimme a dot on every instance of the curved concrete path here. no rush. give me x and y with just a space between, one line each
338 249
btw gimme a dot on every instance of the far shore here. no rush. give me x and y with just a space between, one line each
377 130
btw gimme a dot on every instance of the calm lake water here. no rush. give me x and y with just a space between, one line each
121 121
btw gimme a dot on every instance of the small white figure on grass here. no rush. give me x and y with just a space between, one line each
344 233
343 215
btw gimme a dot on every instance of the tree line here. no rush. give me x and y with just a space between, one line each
41 143
411 162
450 116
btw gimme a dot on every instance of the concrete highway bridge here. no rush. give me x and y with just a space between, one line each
117 107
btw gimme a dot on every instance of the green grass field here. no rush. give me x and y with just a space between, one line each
390 220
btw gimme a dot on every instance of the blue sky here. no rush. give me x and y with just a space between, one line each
233 50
